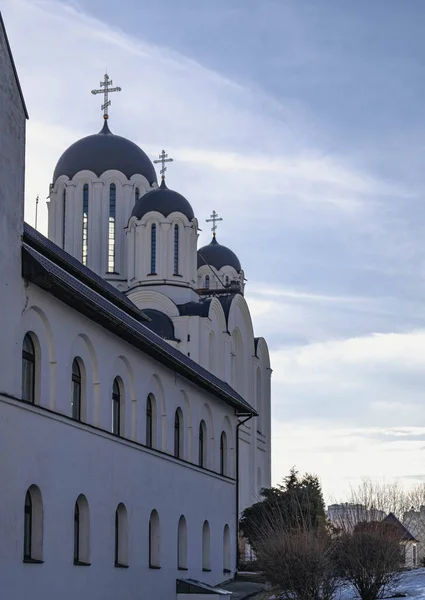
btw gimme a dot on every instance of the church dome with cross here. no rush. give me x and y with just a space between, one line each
102 152
164 201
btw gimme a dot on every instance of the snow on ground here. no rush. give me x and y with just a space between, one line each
411 584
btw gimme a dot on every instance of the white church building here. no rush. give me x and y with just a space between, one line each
134 397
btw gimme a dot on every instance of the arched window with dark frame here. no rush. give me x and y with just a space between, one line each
33 526
149 422
112 227
206 547
202 444
207 282
28 527
116 408
153 249
136 194
85 222
76 533
223 453
28 369
154 541
121 536
81 531
76 391
176 249
178 434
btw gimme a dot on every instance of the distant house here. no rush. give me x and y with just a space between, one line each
414 521
407 541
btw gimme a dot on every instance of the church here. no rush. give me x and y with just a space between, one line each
134 396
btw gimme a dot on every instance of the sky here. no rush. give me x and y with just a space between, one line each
302 123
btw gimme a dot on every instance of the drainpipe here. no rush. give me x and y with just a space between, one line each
237 486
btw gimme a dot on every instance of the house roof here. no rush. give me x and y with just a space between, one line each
53 270
405 534
12 62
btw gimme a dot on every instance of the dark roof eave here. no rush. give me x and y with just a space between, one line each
34 271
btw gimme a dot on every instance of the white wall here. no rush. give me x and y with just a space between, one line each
12 163
65 458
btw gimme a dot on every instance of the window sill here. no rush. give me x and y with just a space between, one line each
206 570
33 561
111 273
81 563
120 566
177 275
182 568
151 274
227 571
154 567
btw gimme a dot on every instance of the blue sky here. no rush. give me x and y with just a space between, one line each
303 124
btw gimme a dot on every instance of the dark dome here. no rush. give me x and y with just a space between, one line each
159 323
164 201
103 151
218 256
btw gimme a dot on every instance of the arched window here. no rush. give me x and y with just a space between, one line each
85 222
81 531
176 249
33 525
63 217
136 194
76 391
207 282
28 369
111 232
223 453
227 280
202 444
226 550
121 536
116 408
154 541
206 547
153 249
182 544
149 422
178 434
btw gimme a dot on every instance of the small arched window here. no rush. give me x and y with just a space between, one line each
153 249
227 280
121 536
28 369
207 282
149 422
206 547
176 249
81 531
63 217
112 227
85 222
136 194
33 525
154 541
76 391
182 544
226 550
202 444
178 434
223 454
116 408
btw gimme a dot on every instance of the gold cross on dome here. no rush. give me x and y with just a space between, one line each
106 83
163 158
214 219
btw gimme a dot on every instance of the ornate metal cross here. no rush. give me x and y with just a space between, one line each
214 219
163 158
106 90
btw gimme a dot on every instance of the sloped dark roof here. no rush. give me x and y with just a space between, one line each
50 273
218 256
85 275
198 309
104 151
12 62
160 323
405 534
164 201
